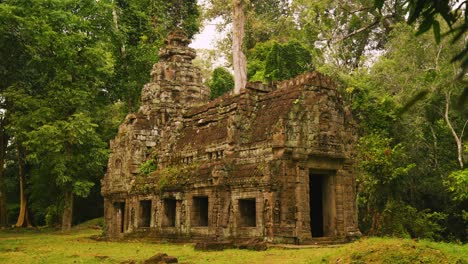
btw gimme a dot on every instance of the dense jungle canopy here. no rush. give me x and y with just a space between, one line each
71 70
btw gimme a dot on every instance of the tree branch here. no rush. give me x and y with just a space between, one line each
463 130
359 30
455 136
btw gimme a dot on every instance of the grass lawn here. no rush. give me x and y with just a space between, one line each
48 246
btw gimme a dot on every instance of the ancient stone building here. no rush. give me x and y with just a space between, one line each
274 162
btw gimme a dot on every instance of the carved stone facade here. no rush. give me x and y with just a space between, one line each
273 162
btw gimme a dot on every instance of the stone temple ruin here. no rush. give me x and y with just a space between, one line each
274 162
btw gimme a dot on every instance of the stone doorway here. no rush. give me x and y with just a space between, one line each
119 208
247 213
145 213
200 211
169 212
322 203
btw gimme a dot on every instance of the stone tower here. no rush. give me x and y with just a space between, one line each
175 85
175 82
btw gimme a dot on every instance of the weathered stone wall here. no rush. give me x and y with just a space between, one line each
242 163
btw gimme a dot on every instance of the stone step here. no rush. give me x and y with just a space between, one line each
324 241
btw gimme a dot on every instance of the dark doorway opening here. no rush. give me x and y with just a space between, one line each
145 213
247 213
169 212
200 211
316 204
120 212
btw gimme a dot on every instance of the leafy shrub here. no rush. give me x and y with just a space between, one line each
221 82
273 61
53 215
457 184
402 220
147 167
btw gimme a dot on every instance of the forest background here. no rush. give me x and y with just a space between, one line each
71 70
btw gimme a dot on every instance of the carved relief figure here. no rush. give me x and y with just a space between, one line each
216 212
132 218
182 214
277 212
230 214
155 214
225 222
268 232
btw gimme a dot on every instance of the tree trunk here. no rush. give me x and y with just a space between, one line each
23 217
67 214
434 136
458 140
3 144
240 64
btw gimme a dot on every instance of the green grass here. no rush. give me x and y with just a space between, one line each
49 246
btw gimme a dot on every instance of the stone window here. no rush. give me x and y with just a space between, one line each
145 213
187 160
216 155
169 218
200 211
247 213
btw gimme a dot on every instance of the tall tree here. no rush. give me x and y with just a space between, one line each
264 20
239 60
57 84
3 146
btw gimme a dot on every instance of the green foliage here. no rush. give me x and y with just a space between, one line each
457 184
12 211
383 171
347 31
376 113
52 217
174 13
272 61
428 14
265 20
54 90
70 151
221 82
406 149
147 167
175 175
402 220
82 188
